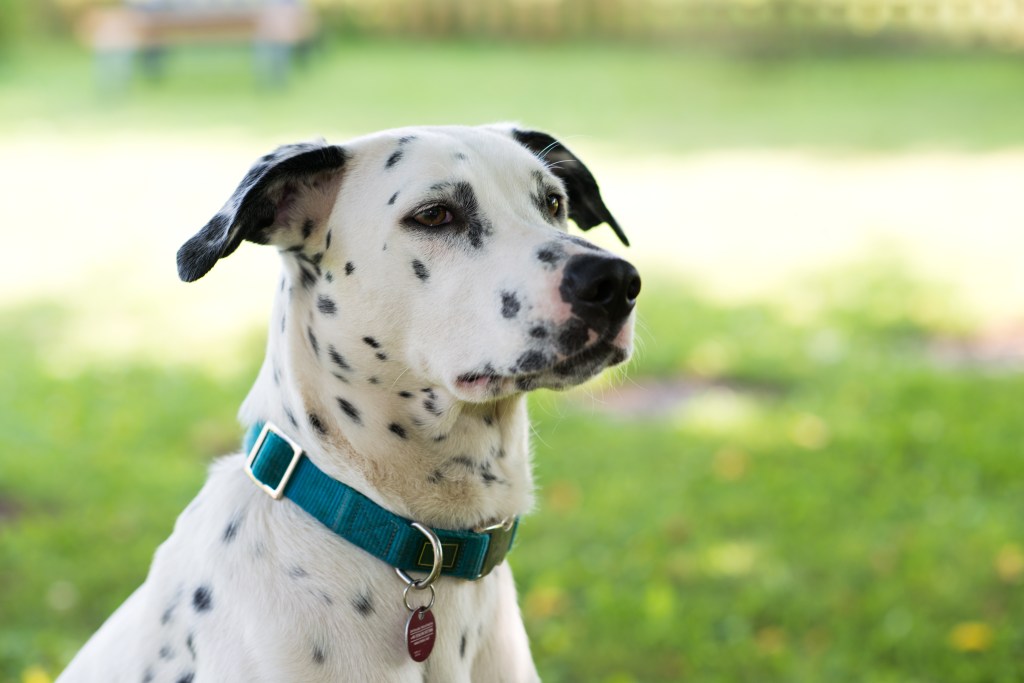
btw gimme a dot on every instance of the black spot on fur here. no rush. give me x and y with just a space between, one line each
307 228
393 198
307 278
329 276
398 430
337 358
202 599
282 327
291 417
405 394
371 342
231 530
486 475
168 613
318 656
312 341
327 242
463 460
147 676
297 572
478 229
431 407
166 652
420 270
436 477
363 604
531 361
460 156
395 157
550 254
440 437
187 678
488 420
349 410
462 646
373 380
190 644
509 305
326 305
381 355
317 423
405 139
538 332
349 268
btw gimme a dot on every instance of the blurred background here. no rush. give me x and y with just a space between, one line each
813 470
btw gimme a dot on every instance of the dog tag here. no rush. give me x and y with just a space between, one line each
420 633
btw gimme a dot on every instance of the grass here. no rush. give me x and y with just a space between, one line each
663 100
845 510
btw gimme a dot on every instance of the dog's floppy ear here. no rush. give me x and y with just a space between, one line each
263 203
586 207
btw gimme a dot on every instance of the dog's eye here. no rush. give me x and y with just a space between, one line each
554 203
434 216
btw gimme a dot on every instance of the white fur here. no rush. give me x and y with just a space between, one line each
287 600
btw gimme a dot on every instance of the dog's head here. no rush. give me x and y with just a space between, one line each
448 245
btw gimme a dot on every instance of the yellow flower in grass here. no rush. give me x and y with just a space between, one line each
971 636
35 674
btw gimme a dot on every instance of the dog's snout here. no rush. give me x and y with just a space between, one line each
601 289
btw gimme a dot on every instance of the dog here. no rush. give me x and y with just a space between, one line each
428 283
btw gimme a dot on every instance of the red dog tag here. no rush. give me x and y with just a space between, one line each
420 633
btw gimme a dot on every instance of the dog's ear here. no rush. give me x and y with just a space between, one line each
586 207
268 199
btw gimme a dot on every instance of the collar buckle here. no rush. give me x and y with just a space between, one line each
501 536
273 439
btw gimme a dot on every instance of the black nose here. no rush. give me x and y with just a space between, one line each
602 290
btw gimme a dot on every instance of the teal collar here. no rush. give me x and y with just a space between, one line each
280 467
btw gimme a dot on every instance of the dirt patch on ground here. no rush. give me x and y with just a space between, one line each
9 509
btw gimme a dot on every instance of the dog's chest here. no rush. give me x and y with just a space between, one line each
249 584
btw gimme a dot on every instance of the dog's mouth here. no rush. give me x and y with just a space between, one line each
534 370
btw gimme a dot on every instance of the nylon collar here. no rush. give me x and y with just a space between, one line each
280 467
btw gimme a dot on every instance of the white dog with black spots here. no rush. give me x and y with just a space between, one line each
428 283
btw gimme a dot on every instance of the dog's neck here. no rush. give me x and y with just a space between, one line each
402 441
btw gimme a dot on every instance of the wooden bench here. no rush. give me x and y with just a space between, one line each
121 35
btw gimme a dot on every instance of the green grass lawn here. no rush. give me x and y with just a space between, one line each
831 502
820 497
642 99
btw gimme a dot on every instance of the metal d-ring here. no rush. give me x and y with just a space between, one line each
435 571
405 597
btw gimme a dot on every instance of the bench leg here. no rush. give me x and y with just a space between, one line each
153 60
273 62
114 69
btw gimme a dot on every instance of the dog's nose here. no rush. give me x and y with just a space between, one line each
602 290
